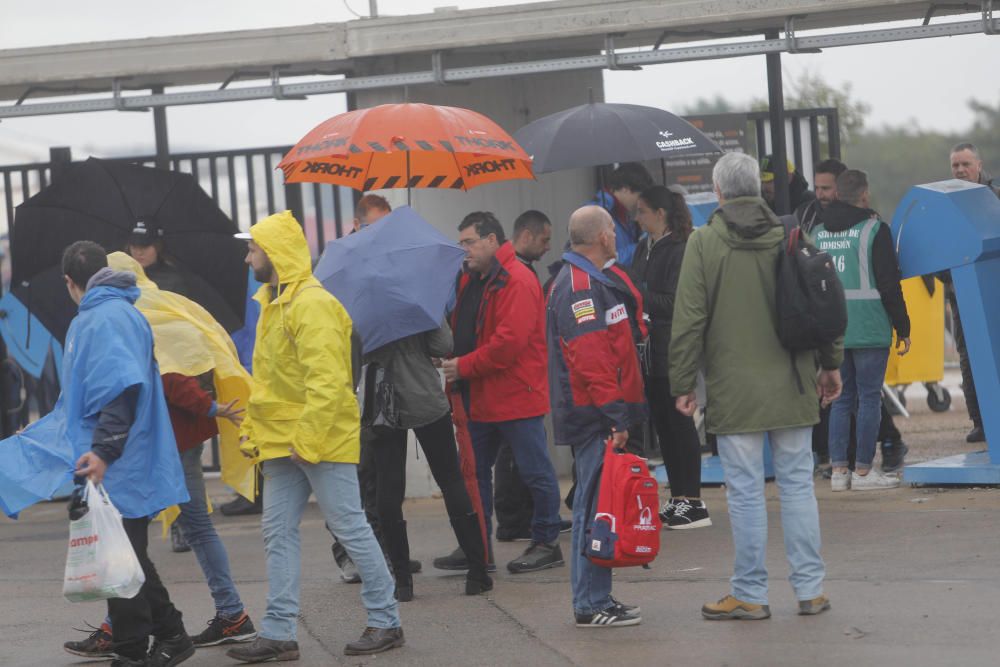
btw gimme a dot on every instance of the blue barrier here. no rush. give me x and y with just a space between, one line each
956 225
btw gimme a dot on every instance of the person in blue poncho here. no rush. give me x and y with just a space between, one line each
116 421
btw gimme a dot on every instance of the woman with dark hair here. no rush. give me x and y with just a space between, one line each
664 217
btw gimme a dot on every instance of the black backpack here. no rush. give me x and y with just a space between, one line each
811 307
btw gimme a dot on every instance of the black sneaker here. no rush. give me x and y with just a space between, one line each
627 608
265 650
222 630
97 645
614 616
170 652
122 661
539 556
667 510
457 562
977 434
893 455
688 514
241 507
376 640
565 526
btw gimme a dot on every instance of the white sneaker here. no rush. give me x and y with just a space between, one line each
840 481
873 481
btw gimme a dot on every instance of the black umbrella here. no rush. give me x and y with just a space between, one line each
594 134
102 201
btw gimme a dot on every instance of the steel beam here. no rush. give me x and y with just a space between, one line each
430 76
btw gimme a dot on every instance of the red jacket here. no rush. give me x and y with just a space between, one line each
507 372
593 364
189 406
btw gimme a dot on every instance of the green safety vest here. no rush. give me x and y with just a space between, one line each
867 321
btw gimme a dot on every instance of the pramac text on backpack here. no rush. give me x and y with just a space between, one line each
626 527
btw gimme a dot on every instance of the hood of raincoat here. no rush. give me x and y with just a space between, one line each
747 223
303 393
109 348
188 341
281 237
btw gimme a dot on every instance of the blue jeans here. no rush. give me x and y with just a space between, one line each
286 494
863 373
743 466
591 583
204 541
529 445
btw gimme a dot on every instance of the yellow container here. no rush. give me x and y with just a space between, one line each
925 362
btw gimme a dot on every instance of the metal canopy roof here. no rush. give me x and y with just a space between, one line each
549 36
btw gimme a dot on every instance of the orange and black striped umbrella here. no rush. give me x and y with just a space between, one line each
407 146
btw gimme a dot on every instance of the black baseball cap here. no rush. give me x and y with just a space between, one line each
144 233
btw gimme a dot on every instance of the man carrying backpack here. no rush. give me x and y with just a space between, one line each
596 392
724 320
861 246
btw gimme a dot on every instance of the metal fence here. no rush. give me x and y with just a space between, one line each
244 184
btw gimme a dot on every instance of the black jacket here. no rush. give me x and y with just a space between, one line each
840 216
655 272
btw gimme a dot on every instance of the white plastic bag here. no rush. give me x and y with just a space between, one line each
100 563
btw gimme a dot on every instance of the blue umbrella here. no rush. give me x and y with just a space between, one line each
394 277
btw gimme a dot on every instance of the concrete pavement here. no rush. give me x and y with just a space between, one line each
912 574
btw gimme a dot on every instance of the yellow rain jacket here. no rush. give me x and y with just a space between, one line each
187 340
302 394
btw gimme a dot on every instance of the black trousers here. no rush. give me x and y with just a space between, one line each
512 502
968 383
678 438
150 612
437 440
367 485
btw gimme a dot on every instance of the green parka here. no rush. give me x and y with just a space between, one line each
750 378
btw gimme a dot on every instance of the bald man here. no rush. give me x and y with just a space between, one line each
596 392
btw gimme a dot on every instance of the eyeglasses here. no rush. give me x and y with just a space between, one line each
468 243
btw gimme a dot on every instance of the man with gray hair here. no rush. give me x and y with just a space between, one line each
967 165
860 245
596 392
724 316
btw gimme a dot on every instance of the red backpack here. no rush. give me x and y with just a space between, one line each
626 527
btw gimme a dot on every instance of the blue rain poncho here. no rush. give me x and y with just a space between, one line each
109 348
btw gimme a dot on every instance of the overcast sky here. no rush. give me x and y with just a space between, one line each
922 83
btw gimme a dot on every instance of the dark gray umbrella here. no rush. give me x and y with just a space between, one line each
594 134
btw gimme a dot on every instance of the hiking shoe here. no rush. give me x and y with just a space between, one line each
97 645
178 544
667 510
538 556
731 609
171 651
873 481
614 616
222 630
376 640
265 650
893 454
457 562
689 514
977 434
814 606
840 480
